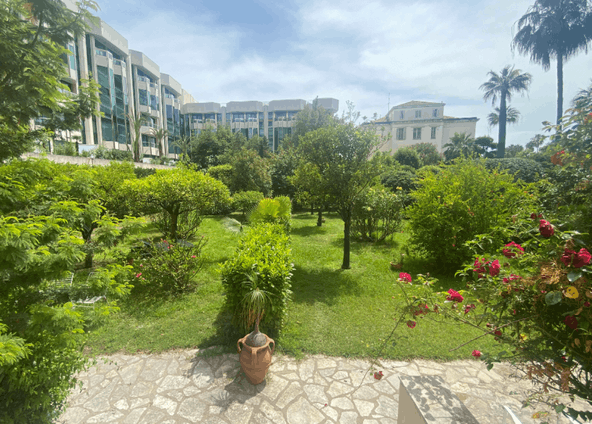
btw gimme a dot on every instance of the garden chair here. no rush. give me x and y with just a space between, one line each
89 301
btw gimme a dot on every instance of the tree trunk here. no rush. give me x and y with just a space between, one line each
559 87
346 241
501 145
311 209
174 223
320 217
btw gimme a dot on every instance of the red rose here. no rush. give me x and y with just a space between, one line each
546 229
494 268
403 276
497 332
533 216
582 258
469 307
454 296
571 322
513 277
511 249
411 324
568 256
476 353
479 267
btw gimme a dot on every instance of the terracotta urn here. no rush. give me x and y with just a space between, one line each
255 360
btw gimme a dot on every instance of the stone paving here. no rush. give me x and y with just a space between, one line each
187 387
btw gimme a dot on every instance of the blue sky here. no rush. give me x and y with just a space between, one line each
350 50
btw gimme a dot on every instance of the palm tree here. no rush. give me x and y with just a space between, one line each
512 116
459 144
536 142
502 85
135 123
554 29
160 135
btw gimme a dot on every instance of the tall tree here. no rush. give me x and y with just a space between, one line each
536 142
554 29
32 36
502 85
459 145
160 135
512 116
135 124
339 159
311 118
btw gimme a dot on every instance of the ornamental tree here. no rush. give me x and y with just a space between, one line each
179 193
339 159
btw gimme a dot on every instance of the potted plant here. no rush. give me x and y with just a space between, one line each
256 352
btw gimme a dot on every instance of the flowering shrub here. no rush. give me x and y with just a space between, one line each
377 214
168 266
455 205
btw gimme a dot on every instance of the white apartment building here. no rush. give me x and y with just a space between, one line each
417 122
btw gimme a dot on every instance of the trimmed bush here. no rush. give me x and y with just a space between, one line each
463 200
408 156
221 173
263 253
377 214
244 201
526 170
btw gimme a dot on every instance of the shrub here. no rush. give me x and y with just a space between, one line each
244 201
460 202
377 214
526 170
277 211
222 173
408 156
167 266
64 148
262 253
144 172
428 153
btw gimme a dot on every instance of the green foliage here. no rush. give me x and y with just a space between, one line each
311 118
428 153
102 152
244 201
408 156
377 214
399 179
250 172
222 173
263 253
336 166
179 193
538 303
65 149
460 202
277 211
32 36
144 172
169 267
283 166
526 170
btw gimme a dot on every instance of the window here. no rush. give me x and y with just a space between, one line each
418 113
402 115
143 95
400 133
433 136
417 133
435 113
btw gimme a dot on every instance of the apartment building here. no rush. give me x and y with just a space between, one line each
273 120
417 122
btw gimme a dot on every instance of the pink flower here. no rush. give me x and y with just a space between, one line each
193 257
571 322
511 249
469 307
141 265
583 258
403 276
454 296
513 277
476 353
494 268
479 267
138 275
411 324
546 229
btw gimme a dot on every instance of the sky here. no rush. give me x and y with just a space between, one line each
372 53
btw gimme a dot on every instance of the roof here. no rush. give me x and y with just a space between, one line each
417 103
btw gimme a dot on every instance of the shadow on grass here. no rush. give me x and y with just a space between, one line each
421 265
324 286
311 230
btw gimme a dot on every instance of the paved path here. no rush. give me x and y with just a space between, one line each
183 387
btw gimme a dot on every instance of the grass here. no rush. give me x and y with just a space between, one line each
333 311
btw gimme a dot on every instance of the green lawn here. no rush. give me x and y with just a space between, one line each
334 312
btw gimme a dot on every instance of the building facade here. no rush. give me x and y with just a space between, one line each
273 120
417 122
